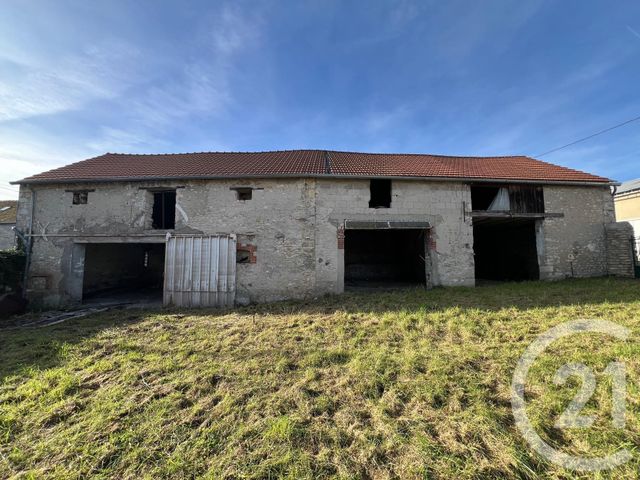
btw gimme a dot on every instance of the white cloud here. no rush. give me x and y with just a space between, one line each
633 31
466 27
100 71
145 97
198 87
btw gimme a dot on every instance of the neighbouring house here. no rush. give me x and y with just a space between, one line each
224 228
8 210
627 207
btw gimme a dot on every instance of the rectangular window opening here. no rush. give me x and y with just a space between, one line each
164 210
380 193
507 198
244 193
243 256
80 197
245 253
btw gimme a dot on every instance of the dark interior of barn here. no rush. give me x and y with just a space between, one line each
505 249
521 198
384 258
482 196
123 271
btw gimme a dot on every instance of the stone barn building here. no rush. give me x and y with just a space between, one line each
224 228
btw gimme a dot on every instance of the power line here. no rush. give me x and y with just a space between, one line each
590 136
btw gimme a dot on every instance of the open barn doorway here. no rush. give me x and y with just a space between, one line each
505 249
123 273
391 258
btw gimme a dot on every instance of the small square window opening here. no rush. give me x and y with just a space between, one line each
243 256
244 193
80 198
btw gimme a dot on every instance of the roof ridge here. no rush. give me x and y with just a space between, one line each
257 152
215 151
471 157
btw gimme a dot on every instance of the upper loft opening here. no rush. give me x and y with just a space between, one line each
507 198
380 190
164 210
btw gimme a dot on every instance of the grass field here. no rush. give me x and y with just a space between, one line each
409 384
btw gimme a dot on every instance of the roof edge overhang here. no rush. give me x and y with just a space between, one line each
628 193
320 176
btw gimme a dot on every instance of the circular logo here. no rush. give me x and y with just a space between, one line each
571 417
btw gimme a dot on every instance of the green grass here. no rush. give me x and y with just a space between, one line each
408 384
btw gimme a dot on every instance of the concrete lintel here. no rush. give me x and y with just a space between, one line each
120 239
384 225
489 214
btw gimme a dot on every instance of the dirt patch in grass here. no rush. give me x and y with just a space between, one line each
409 384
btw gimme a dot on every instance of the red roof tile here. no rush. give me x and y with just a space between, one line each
305 163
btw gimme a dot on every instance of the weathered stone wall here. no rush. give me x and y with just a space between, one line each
293 226
620 249
439 203
575 244
292 223
279 221
114 212
7 237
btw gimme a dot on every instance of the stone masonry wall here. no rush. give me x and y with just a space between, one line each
620 249
279 221
292 228
113 210
289 224
575 245
439 203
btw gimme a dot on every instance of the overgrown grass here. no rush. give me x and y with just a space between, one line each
408 384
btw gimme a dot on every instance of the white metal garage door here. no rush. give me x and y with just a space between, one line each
200 270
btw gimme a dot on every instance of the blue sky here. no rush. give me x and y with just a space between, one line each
79 78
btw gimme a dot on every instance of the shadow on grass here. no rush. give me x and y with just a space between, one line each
42 348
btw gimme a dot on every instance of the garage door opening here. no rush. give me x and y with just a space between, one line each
384 258
505 249
123 273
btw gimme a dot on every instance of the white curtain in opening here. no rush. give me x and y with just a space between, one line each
501 202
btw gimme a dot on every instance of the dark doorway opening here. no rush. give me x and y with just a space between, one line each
505 249
123 273
384 258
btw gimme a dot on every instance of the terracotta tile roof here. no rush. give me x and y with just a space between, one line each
306 163
8 210
498 168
